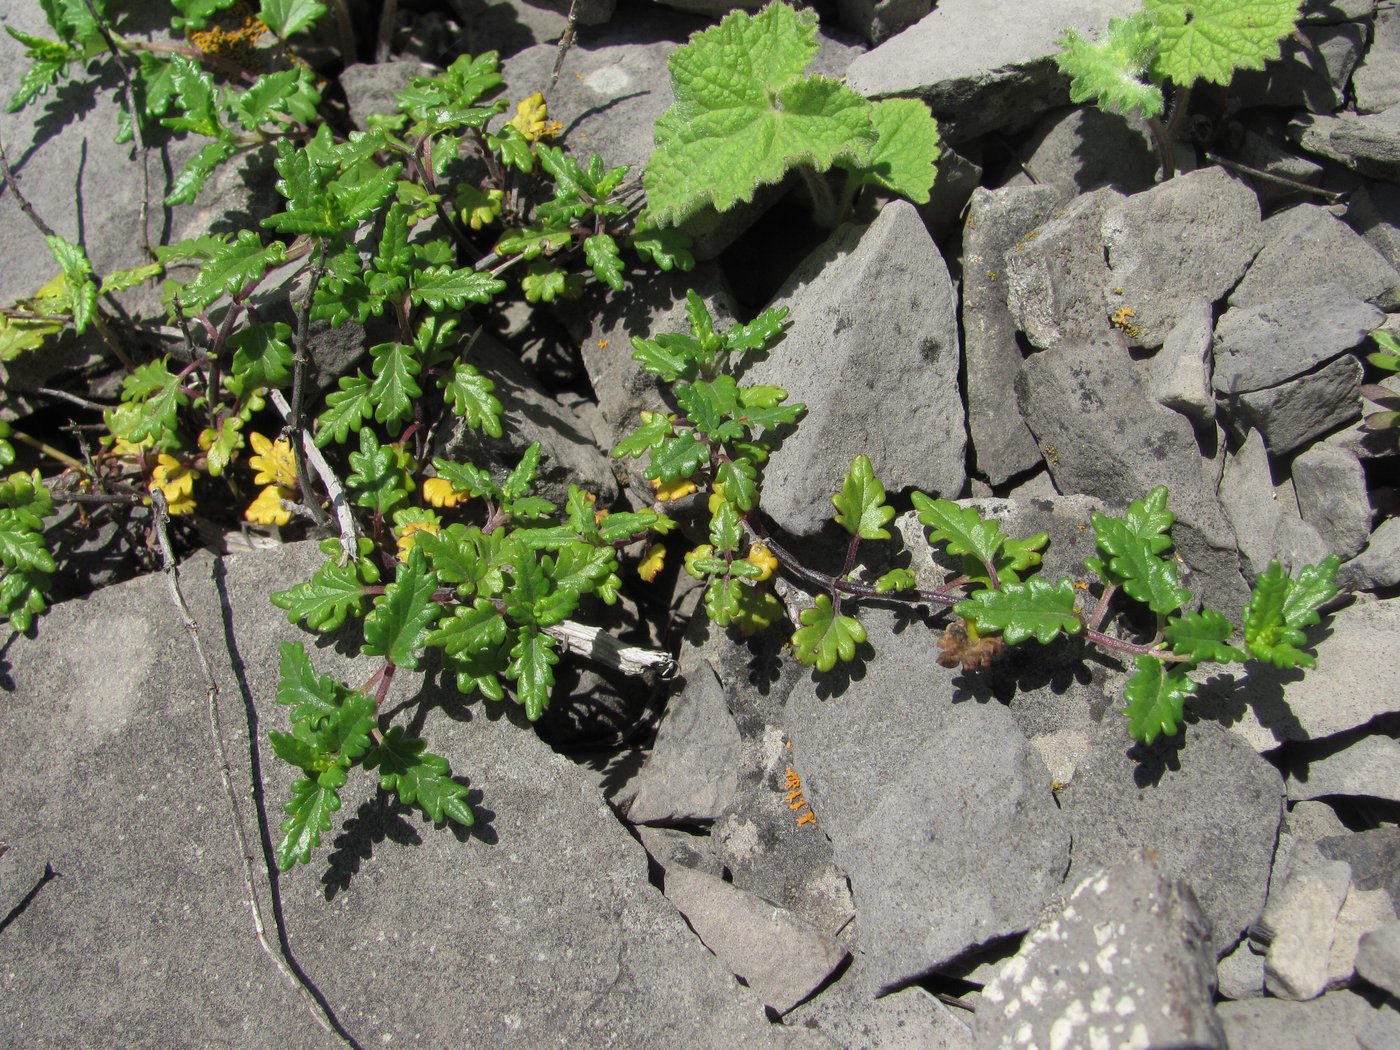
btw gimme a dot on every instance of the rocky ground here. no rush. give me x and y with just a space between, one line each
894 856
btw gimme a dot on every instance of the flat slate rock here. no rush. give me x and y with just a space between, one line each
1370 768
940 812
1340 1020
1213 817
538 926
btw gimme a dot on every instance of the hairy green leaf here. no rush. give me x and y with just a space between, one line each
826 636
860 505
1211 39
1155 697
289 17
1113 72
905 157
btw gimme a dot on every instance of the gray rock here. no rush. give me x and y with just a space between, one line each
1330 12
1127 963
1331 489
1058 280
828 362
1378 958
974 75
877 19
909 1019
1093 406
1374 857
1363 912
370 87
1369 768
692 773
996 221
1369 145
150 912
1292 414
711 8
1266 524
1374 212
1214 819
1082 148
1240 974
1180 374
1347 689
508 27
1378 566
1262 346
951 839
1159 259
569 454
1340 1020
1376 82
1299 922
669 847
1306 241
777 954
1264 147
1297 543
1312 71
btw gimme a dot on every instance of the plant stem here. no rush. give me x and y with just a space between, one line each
824 210
296 419
46 449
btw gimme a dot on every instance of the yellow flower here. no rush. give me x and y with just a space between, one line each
176 480
532 119
267 509
667 492
273 462
440 493
762 557
652 563
409 536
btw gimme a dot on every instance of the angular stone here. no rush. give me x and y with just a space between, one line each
1363 912
996 221
975 75
1128 962
1376 82
1374 857
882 382
1331 490
1290 415
878 19
1340 1020
1299 922
1378 958
1306 241
370 87
1262 346
1058 281
1214 819
1180 375
1083 148
1369 768
1374 212
1369 145
910 1019
777 954
1093 407
1251 503
107 745
1240 974
951 839
1378 566
1312 72
692 773
1159 259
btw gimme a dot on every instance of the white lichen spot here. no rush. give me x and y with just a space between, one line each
610 81
1125 1006
1062 1032
1034 991
1024 1035
1103 932
1100 1003
1104 960
1137 1038
1100 1040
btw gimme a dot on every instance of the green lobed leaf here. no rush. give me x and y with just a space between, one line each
333 592
1202 636
961 529
393 391
826 636
82 293
760 333
313 698
193 90
289 17
471 397
744 114
905 157
398 624
22 594
671 355
522 478
1156 698
379 479
308 815
419 777
896 580
678 458
1212 39
532 659
474 628
445 288
740 480
48 60
1280 607
860 505
262 353
197 171
346 409
289 95
229 269
601 253
668 249
656 428
1113 71
1024 610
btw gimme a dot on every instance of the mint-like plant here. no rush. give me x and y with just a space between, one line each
746 112
1176 42
996 599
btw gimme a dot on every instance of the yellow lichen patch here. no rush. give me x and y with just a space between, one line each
439 493
273 461
532 119
233 36
764 558
1122 319
653 562
176 481
267 509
